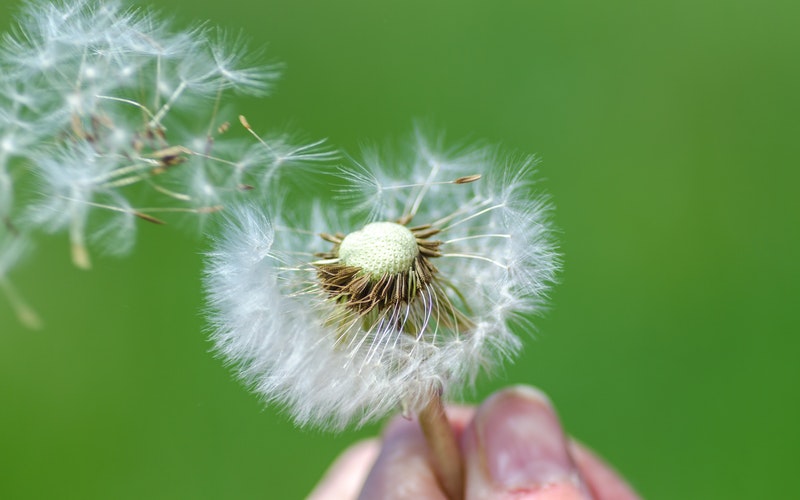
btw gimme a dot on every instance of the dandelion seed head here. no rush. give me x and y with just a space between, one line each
345 310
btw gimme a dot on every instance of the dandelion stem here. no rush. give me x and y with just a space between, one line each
445 453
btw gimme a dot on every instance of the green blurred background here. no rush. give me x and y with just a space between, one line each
668 133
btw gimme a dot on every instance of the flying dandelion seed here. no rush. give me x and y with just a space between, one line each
346 315
14 247
104 104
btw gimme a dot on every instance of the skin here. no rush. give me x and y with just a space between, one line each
513 445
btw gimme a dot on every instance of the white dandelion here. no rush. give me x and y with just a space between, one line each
105 104
343 316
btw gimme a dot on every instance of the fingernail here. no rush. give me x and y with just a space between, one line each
522 441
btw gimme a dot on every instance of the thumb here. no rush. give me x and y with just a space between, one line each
515 448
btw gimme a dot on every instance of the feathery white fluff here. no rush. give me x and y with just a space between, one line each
298 346
124 89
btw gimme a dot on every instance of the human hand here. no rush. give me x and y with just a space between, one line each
513 446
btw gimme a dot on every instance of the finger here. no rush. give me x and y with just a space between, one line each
344 478
402 469
601 479
516 448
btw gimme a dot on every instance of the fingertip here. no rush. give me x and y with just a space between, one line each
516 447
344 478
602 480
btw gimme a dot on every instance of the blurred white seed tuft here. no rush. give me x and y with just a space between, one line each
110 114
